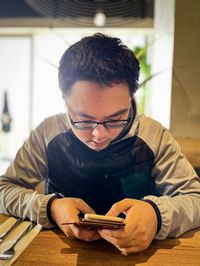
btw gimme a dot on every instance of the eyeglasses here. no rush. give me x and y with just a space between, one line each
90 125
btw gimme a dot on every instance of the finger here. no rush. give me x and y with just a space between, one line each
85 234
79 206
118 243
68 232
120 207
127 232
116 233
128 243
110 239
135 249
83 206
121 239
71 217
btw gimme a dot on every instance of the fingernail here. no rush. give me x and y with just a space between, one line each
123 252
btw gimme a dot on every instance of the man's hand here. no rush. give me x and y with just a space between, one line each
140 228
67 210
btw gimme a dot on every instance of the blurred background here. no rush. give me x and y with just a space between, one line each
164 34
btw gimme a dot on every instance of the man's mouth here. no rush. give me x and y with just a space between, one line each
99 144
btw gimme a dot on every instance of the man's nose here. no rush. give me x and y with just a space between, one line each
100 132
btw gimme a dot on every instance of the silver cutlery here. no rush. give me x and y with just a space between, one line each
3 236
9 253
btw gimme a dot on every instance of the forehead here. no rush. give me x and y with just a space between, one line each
97 101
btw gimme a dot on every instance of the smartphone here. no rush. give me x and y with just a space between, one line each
94 221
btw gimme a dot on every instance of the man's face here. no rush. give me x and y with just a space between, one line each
89 101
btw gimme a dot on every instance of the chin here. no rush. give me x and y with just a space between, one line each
93 147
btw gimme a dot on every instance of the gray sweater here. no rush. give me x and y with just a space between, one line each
176 183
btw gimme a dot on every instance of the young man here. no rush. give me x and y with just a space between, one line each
102 157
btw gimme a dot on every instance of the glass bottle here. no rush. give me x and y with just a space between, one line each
6 117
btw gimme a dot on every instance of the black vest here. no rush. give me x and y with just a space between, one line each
122 170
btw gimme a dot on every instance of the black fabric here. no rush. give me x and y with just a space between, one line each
55 196
158 214
122 170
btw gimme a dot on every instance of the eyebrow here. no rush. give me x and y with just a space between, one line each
120 112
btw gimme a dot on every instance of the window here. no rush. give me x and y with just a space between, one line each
15 79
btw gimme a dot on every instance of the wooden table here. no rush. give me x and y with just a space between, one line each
51 247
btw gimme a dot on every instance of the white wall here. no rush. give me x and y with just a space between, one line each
15 78
159 101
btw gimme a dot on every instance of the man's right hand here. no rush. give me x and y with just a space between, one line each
67 210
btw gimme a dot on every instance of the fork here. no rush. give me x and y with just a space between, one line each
9 253
3 236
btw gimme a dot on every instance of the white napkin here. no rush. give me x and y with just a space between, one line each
13 235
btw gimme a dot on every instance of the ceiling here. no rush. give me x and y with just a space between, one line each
77 12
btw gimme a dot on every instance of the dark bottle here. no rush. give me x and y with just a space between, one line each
5 117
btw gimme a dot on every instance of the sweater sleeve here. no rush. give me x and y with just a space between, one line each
178 185
17 186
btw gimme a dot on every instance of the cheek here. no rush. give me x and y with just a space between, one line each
82 135
114 133
87 136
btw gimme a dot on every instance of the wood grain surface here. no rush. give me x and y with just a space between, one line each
51 247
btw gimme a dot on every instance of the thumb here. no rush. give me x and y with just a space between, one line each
83 207
120 207
74 208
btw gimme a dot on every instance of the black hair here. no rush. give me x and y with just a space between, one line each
101 59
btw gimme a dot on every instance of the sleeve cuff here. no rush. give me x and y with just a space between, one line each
165 215
158 214
55 196
43 218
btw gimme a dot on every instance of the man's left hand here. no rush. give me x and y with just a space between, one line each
140 226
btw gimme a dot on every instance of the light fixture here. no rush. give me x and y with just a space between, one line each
99 19
87 13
